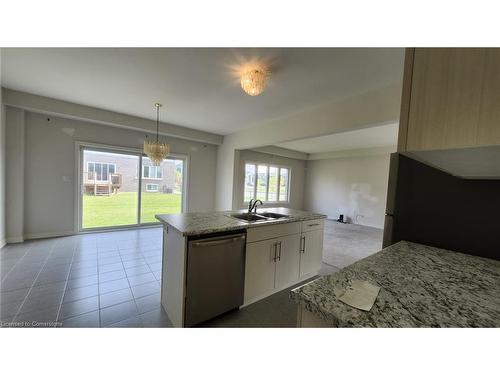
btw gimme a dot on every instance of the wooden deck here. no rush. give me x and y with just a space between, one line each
99 187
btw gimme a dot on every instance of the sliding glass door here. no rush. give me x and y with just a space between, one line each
162 188
110 189
120 188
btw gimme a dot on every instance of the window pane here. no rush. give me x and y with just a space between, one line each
179 173
273 184
261 182
283 184
158 172
105 172
115 204
90 167
249 181
98 171
146 172
165 194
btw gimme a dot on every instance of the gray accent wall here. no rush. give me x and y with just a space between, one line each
47 164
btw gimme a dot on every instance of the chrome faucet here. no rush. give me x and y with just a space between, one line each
252 205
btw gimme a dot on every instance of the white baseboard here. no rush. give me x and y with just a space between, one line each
14 239
3 242
363 225
32 236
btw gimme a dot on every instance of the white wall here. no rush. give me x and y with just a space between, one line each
297 175
49 186
356 187
2 162
42 104
372 108
14 173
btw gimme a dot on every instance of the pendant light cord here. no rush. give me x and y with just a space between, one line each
157 120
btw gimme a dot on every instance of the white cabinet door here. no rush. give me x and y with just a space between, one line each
259 269
312 253
287 261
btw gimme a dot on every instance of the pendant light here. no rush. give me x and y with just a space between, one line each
154 149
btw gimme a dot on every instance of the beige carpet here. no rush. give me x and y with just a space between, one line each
345 244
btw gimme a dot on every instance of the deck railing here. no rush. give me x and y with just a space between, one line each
115 179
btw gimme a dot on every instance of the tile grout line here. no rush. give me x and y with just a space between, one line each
65 285
15 264
34 281
130 287
98 286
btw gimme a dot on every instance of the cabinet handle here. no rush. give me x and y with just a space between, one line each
279 253
275 245
312 225
303 244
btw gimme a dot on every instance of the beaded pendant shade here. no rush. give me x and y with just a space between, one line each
155 150
253 81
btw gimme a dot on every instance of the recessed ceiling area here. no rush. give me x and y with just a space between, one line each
377 136
199 87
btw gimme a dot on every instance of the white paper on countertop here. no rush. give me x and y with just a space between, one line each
361 295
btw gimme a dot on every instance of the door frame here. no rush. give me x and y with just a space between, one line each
78 193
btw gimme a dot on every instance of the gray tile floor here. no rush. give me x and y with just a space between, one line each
276 311
91 280
106 280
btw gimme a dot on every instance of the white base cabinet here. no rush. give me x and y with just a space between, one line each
273 264
260 269
311 253
287 261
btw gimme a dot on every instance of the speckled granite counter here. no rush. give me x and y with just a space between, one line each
421 286
190 224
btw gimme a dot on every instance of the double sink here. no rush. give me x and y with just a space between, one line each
262 216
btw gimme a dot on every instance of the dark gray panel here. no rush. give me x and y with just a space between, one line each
437 209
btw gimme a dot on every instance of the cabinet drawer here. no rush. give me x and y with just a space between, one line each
310 225
272 231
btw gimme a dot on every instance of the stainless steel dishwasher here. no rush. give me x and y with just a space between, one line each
215 277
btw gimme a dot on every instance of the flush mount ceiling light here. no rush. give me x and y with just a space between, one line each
253 81
154 149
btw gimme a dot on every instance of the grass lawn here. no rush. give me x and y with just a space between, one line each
121 208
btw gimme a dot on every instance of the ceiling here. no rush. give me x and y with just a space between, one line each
199 87
377 136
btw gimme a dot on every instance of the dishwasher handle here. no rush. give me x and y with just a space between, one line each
208 242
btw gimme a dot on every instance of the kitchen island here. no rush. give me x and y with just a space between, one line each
421 286
277 252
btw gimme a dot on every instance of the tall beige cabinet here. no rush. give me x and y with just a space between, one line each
451 99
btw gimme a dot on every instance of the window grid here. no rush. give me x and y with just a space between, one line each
279 176
153 172
152 187
91 168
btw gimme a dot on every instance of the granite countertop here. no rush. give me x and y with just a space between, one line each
421 286
190 224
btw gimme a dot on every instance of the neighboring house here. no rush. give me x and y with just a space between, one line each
154 178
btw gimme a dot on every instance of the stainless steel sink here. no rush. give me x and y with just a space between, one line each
261 216
273 215
249 217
